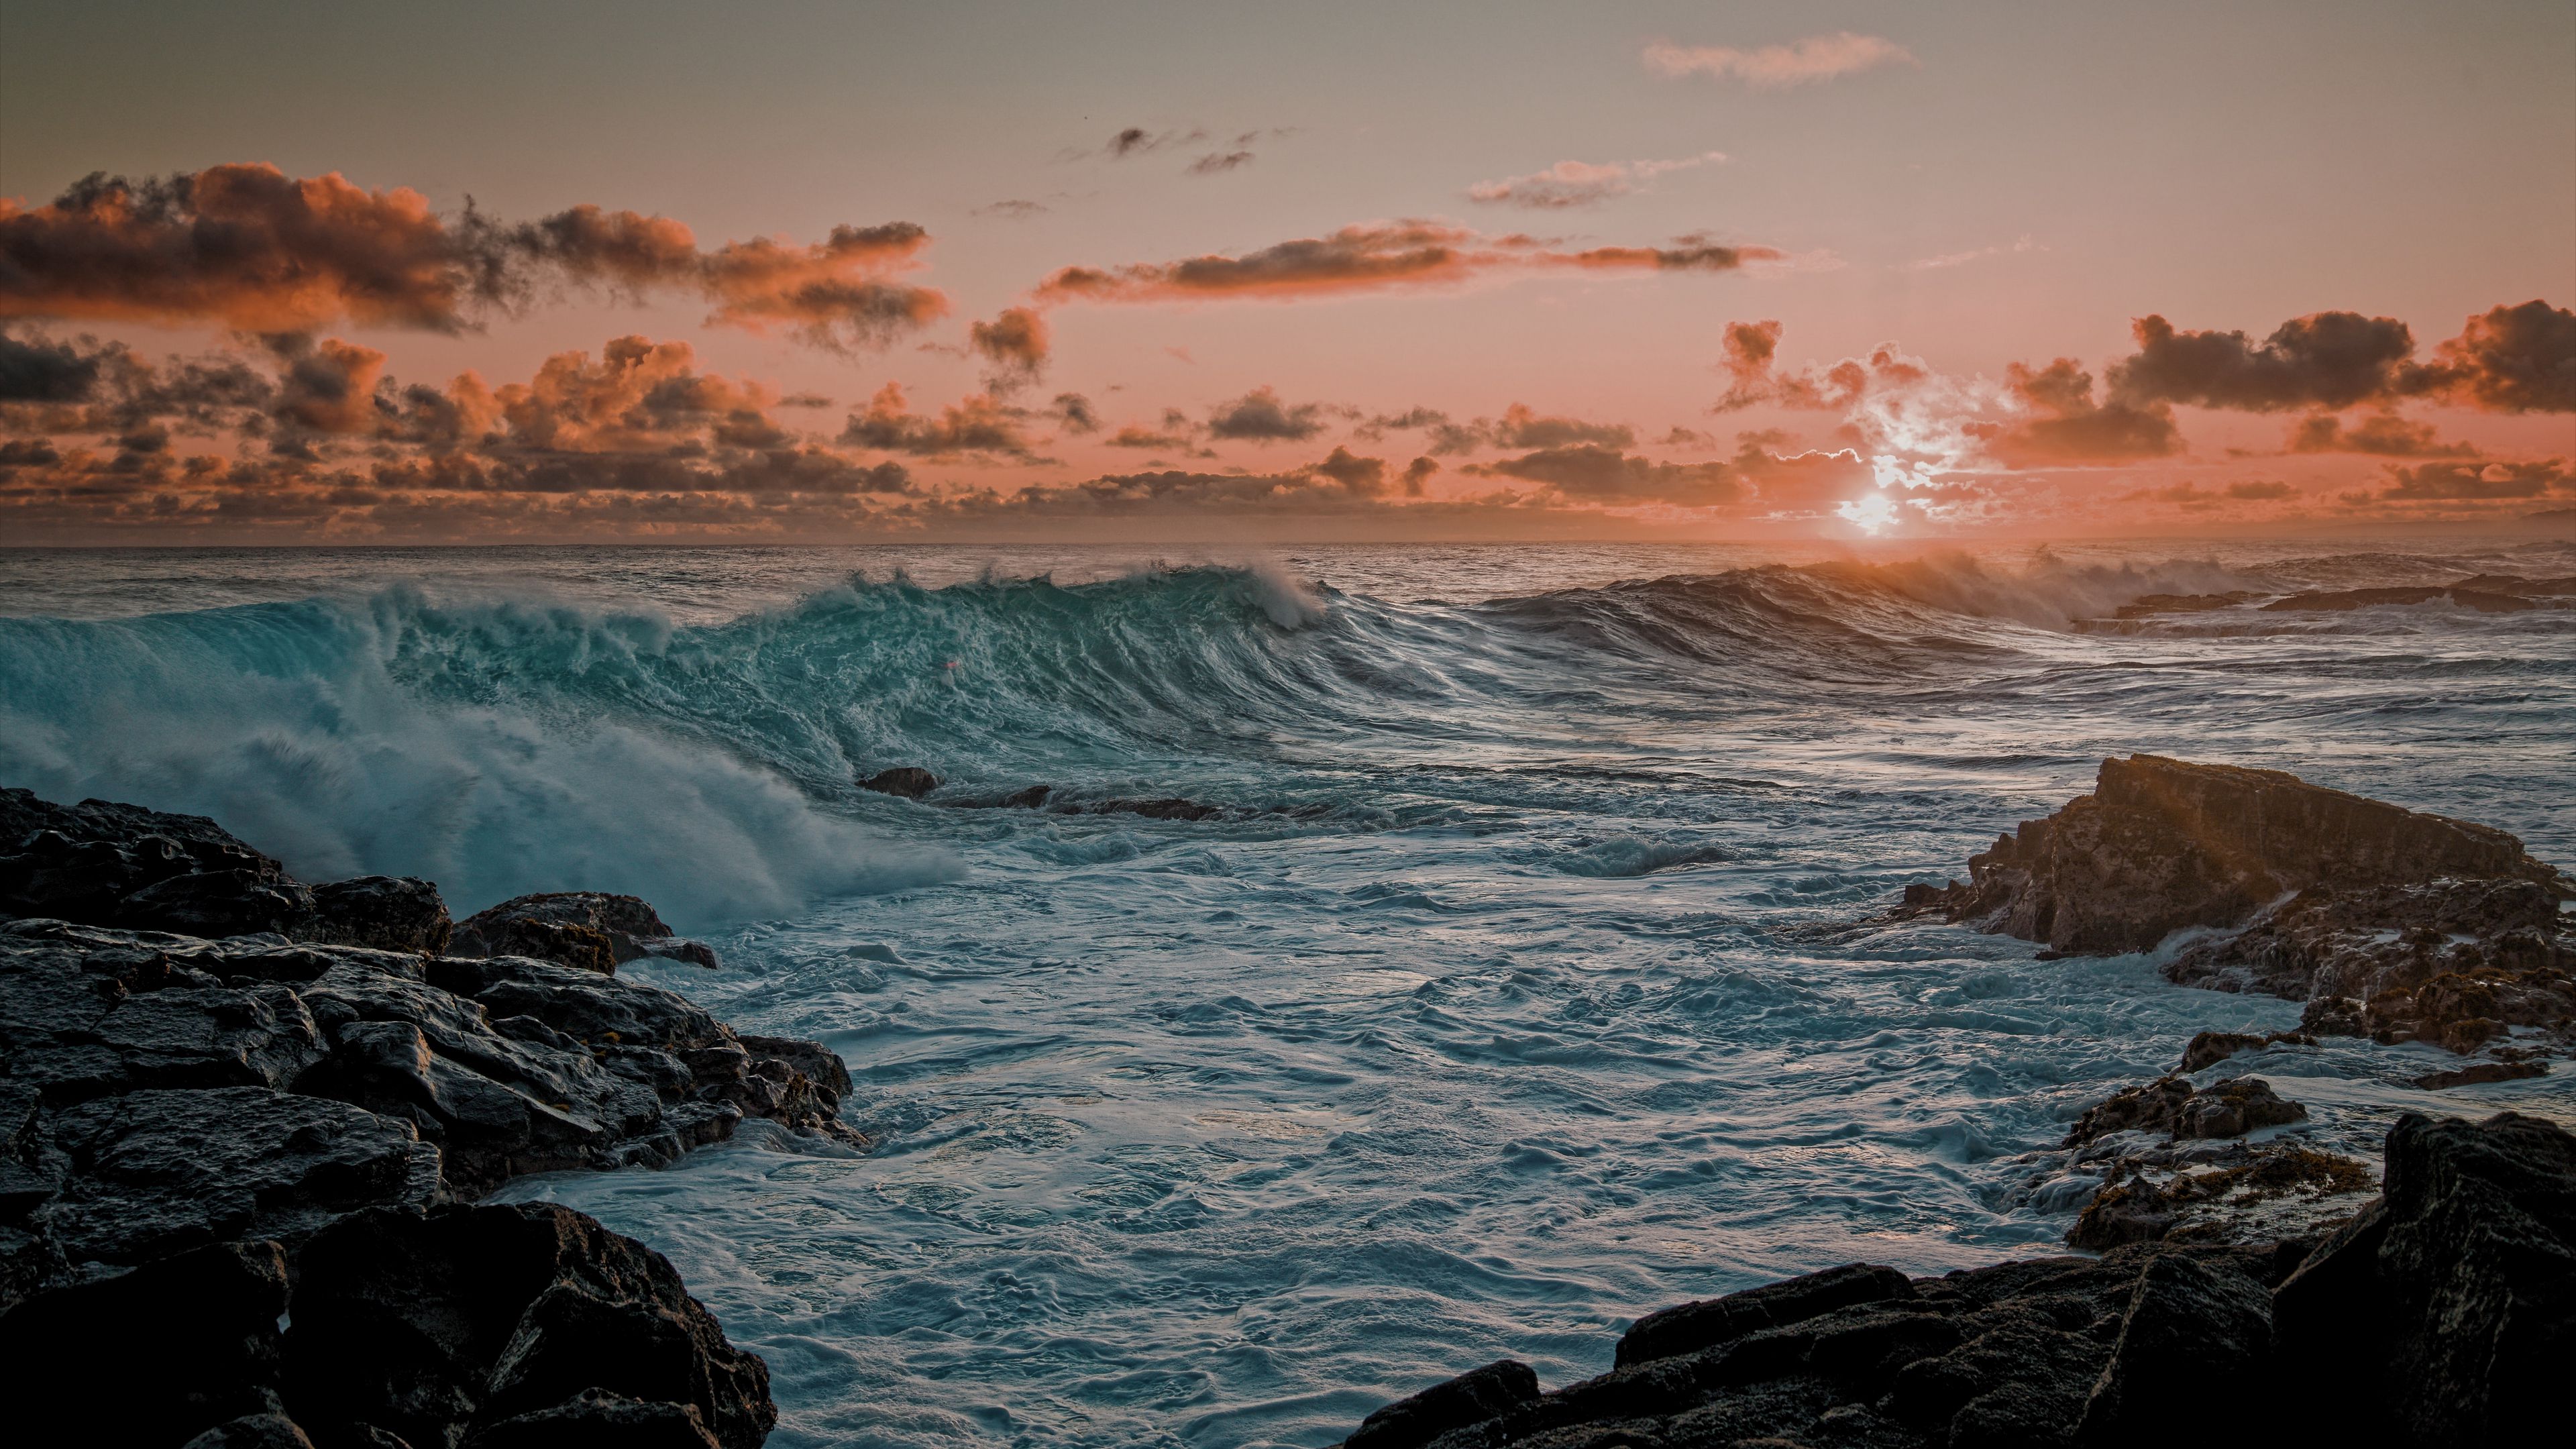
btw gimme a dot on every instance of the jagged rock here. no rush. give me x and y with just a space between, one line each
1695 1326
2241 1194
1029 799
2342 599
2362 941
158 1171
2194 1328
2445 1314
253 1431
153 1356
2161 845
2172 1105
594 1419
431 1327
105 864
909 781
589 929
1475 1397
2209 1048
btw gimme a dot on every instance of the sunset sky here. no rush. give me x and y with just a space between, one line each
1208 272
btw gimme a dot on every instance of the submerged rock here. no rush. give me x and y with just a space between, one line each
593 930
2438 1318
2172 1105
909 781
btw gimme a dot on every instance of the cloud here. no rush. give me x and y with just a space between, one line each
1011 210
976 424
1177 434
1776 67
1259 417
2322 360
329 387
2518 359
2061 423
1358 475
1960 259
2429 482
247 247
1520 427
1808 484
1072 412
1015 343
1375 256
46 371
1750 347
2192 497
1576 183
1217 162
2384 434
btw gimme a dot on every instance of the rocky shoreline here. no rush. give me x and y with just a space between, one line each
253 1118
2247 1287
248 1120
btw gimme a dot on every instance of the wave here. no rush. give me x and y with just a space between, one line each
507 744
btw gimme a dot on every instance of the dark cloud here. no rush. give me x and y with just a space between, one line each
1011 210
2469 482
2328 360
1595 474
2384 434
2065 425
248 247
1016 344
1373 257
46 372
1357 474
1260 417
1417 473
1217 162
1750 347
977 424
1521 427
2518 359
1072 412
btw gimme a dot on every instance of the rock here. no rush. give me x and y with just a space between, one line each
2172 1105
909 781
2195 1327
2209 1048
105 864
1031 798
388 913
153 1356
2444 1315
594 1419
154 1172
2480 1074
2483 602
1475 1397
2361 941
2244 1194
587 929
252 1431
432 1327
1695 1326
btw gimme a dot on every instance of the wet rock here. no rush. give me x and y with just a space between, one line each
155 1172
2195 1327
1031 798
909 781
2240 1195
253 1431
2172 1105
2209 1048
2341 599
1476 1397
588 929
1168 808
1695 1326
2444 1315
387 913
2481 1074
435 1326
154 1356
595 1419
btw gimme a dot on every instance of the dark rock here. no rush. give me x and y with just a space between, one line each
155 1172
2197 1328
252 1431
2250 1191
1475 1397
1031 798
594 1419
1695 1326
2161 845
2483 602
2211 1047
432 1326
909 781
153 1356
1169 808
2482 1073
2444 1315
2172 1105
388 913
587 929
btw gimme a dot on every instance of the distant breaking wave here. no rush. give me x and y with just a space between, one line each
513 744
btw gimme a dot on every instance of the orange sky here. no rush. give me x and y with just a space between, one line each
1219 273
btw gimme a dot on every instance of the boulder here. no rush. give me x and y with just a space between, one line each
596 1419
2240 1194
589 929
2196 1328
154 1356
388 913
908 781
2173 1106
1475 1397
2209 1048
2444 1315
507 1320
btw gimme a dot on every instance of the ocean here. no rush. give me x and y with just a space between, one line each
1523 981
